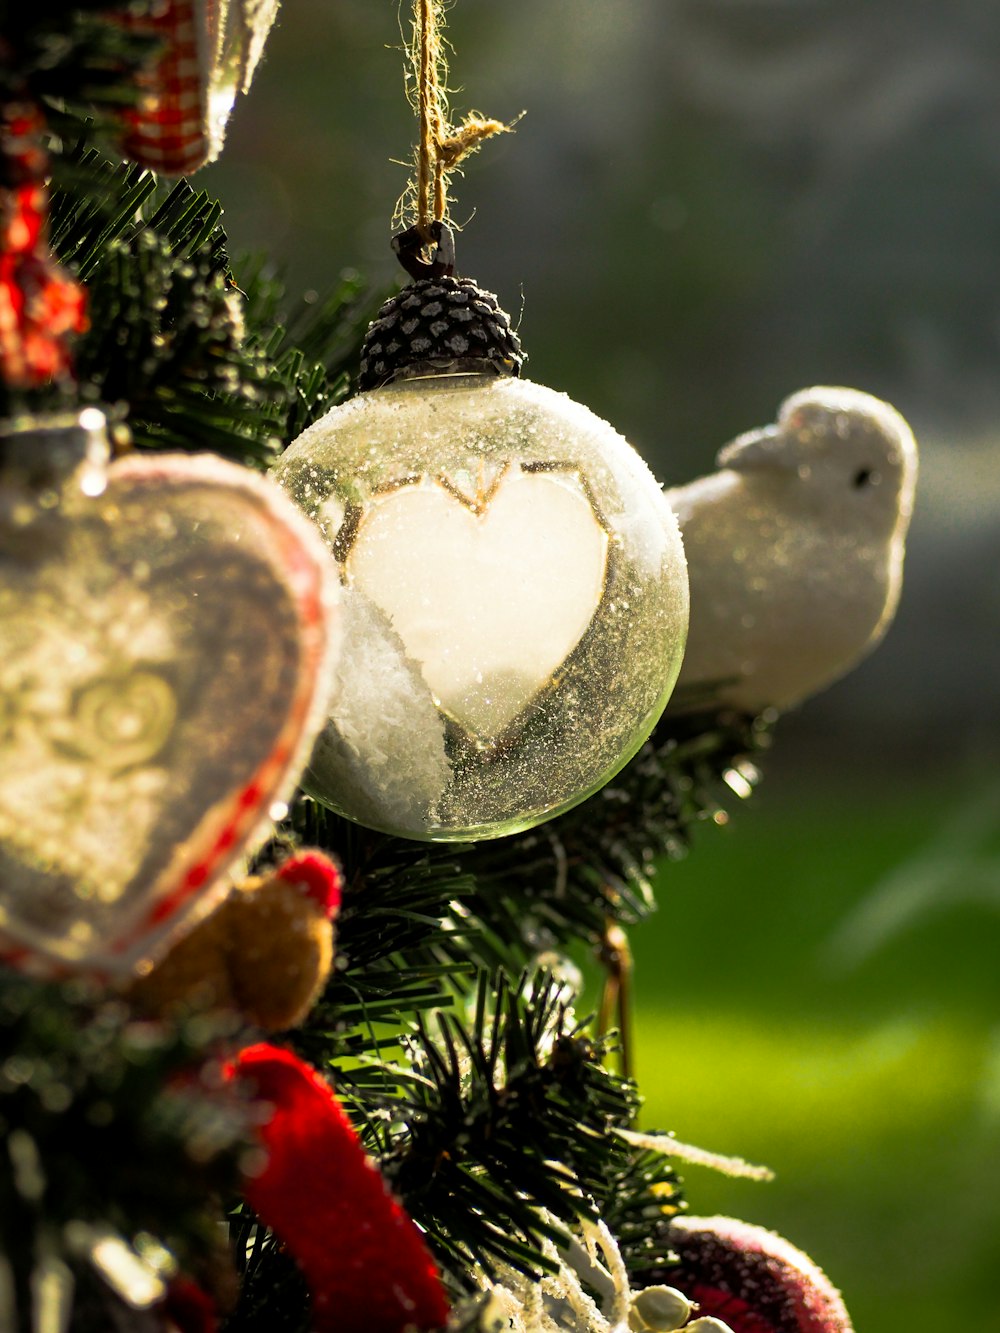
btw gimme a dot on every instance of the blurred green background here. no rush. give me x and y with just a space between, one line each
710 204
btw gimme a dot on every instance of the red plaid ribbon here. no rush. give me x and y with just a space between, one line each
170 130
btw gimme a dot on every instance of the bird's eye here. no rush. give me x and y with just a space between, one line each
865 476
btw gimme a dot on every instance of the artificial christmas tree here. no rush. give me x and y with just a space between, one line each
504 1189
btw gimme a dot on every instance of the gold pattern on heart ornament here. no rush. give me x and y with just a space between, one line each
166 647
489 586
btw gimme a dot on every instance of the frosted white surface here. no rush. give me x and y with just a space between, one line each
383 748
559 1302
795 550
489 603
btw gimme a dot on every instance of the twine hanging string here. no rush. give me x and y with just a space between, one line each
442 146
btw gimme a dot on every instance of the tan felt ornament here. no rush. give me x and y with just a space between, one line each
210 49
264 953
167 636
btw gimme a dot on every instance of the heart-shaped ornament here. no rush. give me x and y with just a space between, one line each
167 638
490 587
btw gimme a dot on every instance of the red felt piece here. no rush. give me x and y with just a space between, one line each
317 876
366 1263
188 1309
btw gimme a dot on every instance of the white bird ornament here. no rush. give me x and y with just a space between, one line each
795 551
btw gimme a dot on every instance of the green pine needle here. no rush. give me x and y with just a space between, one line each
494 1121
195 359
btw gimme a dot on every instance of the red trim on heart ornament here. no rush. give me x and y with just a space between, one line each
305 568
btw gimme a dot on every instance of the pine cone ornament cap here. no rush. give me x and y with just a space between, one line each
439 325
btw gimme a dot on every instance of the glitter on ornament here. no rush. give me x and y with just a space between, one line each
515 588
752 1278
168 630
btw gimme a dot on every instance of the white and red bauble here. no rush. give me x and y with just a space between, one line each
752 1278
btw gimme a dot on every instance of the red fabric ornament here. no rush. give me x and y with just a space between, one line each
367 1265
189 1309
752 1278
40 306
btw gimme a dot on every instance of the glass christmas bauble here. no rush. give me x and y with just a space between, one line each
515 602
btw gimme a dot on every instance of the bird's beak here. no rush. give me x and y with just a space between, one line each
756 450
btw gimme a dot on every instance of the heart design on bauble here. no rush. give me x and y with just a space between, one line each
490 586
166 648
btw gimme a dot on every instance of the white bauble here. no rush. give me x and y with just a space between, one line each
519 602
